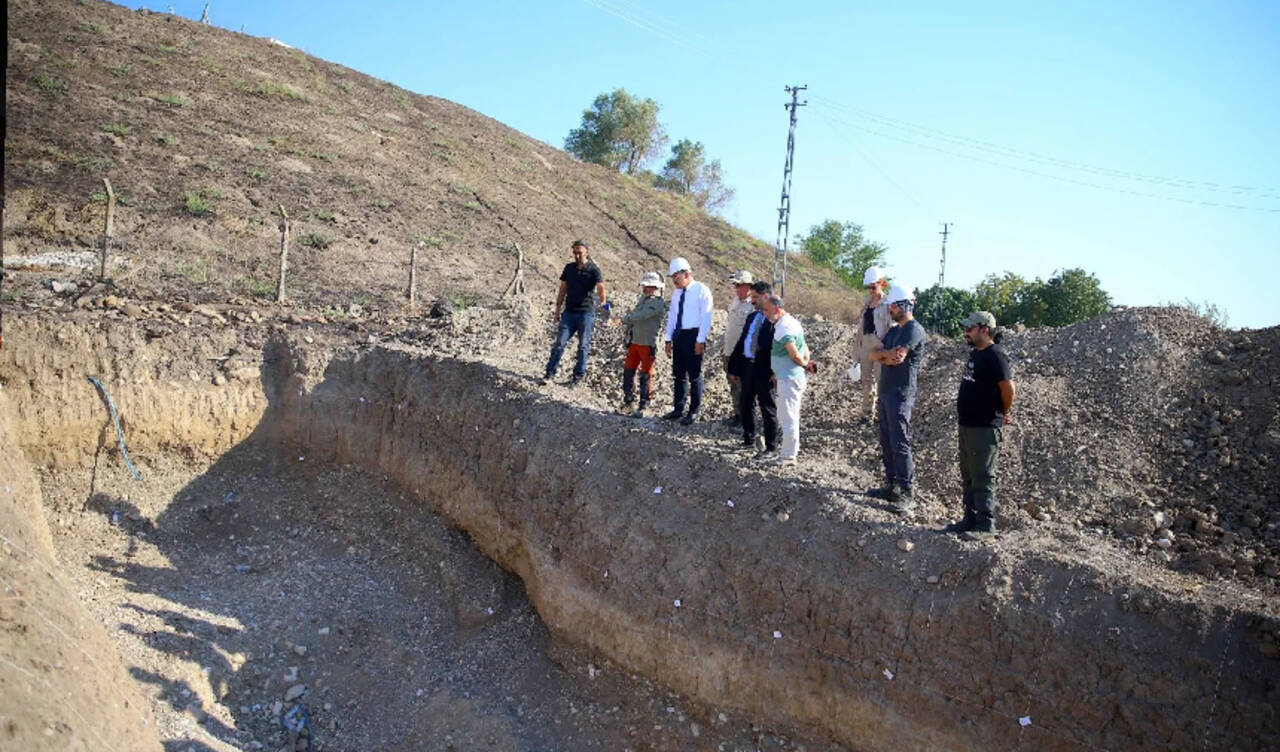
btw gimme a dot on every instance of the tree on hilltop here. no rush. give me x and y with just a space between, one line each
620 132
688 173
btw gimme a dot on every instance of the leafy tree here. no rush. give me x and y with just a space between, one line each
619 132
1073 295
689 174
1002 295
941 309
1069 296
842 248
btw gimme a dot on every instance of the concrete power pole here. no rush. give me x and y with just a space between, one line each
784 211
942 272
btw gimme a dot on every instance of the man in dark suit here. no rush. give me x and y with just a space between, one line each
749 363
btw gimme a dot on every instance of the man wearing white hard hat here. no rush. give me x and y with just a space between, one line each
688 324
739 309
643 323
899 357
869 334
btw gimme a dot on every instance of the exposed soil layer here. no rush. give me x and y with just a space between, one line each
799 604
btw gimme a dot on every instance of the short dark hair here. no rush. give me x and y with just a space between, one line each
762 287
577 243
775 301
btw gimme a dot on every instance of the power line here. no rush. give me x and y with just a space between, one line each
1061 178
854 144
1006 151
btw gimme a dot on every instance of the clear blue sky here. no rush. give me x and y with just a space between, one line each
1115 137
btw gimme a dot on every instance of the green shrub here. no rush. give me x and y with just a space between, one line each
324 216
195 203
119 71
118 129
317 240
49 85
173 100
257 173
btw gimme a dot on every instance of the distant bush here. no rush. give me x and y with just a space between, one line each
173 100
164 139
118 129
317 240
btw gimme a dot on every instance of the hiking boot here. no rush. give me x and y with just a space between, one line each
689 419
962 525
761 444
905 502
888 492
673 415
639 413
574 382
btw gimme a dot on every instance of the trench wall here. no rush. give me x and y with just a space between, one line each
62 685
820 621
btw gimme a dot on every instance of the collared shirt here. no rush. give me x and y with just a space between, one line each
749 342
739 310
695 313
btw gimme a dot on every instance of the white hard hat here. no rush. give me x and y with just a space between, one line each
651 279
899 293
874 274
679 264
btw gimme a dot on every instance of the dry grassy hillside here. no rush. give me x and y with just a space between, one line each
204 133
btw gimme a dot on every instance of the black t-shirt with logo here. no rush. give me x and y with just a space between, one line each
979 401
580 283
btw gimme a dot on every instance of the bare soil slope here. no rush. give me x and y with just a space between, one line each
204 133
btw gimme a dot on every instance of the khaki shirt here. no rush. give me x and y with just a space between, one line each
739 310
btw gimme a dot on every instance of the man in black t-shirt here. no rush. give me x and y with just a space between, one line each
579 279
983 405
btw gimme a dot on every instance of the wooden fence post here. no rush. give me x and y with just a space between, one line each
107 231
284 253
413 274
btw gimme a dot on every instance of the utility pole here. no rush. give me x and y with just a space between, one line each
942 272
784 210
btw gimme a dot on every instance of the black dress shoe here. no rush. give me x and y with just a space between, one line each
689 419
673 415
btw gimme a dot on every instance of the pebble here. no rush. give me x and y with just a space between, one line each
782 515
322 631
905 545
296 691
300 649
932 579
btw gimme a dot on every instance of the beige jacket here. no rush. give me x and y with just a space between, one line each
880 316
739 310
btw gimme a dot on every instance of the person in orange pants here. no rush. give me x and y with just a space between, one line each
643 323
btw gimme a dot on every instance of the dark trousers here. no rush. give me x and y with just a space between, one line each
571 323
895 436
686 365
979 449
756 390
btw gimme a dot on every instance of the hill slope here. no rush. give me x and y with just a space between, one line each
204 132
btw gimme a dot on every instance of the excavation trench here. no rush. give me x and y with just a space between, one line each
766 596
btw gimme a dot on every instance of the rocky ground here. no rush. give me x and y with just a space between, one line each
238 592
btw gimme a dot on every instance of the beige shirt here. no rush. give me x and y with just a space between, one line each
739 310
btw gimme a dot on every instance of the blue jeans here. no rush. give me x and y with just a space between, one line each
895 436
580 324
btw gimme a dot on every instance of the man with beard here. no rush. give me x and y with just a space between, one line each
899 358
983 405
